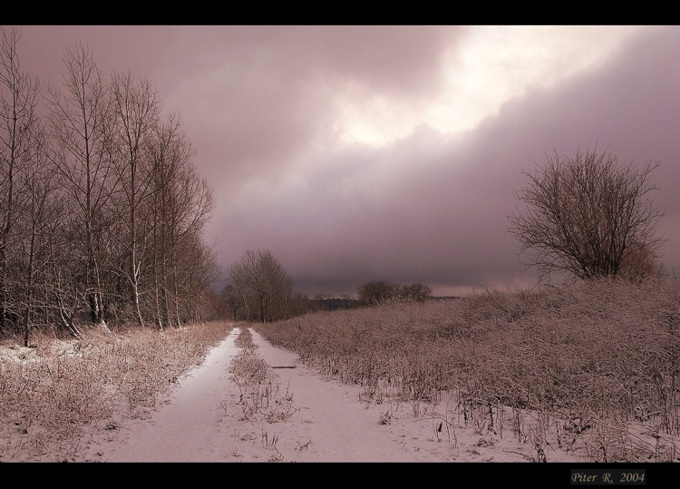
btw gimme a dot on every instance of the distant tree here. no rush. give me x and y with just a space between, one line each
588 216
377 292
264 286
231 298
301 304
415 293
380 292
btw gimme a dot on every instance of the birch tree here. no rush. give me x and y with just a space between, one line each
19 97
40 226
81 127
182 205
136 114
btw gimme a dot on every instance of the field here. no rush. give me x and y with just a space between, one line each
58 394
590 370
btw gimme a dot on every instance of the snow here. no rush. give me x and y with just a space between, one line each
203 421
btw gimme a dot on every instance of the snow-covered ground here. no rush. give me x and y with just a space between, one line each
203 421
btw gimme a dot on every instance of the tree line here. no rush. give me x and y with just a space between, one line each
380 292
586 216
260 290
101 209
102 213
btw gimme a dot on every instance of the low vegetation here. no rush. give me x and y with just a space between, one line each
591 368
595 365
56 393
261 395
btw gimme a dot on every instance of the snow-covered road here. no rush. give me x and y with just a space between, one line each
203 421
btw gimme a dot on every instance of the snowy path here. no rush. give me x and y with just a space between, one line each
184 428
203 421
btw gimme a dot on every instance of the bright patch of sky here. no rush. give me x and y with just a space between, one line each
496 64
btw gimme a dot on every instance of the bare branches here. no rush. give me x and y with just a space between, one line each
137 113
263 286
101 209
588 216
379 292
21 151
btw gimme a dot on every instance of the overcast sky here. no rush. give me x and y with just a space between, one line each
359 153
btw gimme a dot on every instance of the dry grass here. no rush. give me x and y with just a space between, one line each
593 367
261 396
53 395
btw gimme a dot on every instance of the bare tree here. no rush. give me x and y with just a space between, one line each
101 208
263 285
278 288
588 216
137 113
196 275
63 287
19 96
641 263
42 211
81 127
244 280
169 155
378 292
230 297
381 292
182 204
416 292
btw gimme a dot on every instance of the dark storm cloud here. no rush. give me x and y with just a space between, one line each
261 107
433 208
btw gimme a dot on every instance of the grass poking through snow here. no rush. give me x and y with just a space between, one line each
591 368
